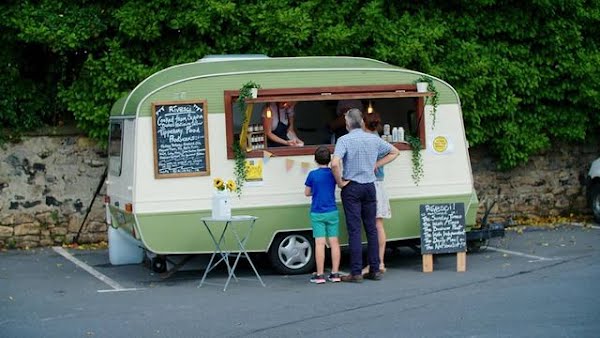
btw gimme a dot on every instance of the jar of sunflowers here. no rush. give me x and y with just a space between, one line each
221 202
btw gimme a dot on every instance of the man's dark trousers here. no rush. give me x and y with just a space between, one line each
360 206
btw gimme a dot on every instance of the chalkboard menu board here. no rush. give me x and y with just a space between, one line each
442 228
180 139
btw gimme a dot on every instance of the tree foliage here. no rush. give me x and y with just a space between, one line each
528 73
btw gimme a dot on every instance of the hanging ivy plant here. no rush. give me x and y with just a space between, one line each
239 168
245 93
432 100
239 153
416 159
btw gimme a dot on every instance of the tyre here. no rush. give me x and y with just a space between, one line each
595 200
159 264
292 253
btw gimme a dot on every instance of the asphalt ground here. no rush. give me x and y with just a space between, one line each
538 282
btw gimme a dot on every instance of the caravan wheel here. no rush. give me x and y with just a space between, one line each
159 264
293 253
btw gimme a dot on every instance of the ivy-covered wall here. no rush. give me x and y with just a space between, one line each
528 72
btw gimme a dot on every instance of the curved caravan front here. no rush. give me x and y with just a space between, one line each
166 212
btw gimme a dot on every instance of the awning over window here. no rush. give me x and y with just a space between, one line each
337 96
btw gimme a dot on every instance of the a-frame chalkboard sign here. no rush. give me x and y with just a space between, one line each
443 231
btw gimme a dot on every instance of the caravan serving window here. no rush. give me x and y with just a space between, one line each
316 110
115 147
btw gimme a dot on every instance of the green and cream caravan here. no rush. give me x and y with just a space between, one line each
174 133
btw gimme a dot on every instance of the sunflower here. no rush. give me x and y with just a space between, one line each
231 185
219 184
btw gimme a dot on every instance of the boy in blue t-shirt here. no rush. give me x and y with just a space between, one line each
324 216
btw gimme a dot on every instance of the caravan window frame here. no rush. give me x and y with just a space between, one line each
323 94
111 163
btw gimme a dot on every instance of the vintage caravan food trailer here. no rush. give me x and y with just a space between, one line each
174 133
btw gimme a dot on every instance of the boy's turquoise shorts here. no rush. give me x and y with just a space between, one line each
325 224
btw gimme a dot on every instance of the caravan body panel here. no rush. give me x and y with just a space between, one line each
167 211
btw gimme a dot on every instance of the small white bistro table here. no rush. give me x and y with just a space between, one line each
233 224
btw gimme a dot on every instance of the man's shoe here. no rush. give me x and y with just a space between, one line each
373 275
352 278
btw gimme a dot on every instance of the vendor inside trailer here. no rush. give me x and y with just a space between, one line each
316 114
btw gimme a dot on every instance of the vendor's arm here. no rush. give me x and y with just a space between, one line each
292 132
267 122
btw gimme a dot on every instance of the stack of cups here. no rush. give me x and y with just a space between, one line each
386 133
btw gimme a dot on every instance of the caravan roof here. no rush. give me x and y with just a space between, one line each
255 65
213 66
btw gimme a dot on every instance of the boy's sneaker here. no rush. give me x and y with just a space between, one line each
334 277
317 279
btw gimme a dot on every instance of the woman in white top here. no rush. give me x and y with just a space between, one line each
278 122
384 211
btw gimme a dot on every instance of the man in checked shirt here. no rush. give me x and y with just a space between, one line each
356 156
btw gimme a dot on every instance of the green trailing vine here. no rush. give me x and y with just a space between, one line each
416 159
414 141
433 100
239 153
245 93
239 169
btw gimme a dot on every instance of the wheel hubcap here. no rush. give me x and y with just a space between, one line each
295 251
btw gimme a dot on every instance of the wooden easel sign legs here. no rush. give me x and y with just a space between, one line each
461 262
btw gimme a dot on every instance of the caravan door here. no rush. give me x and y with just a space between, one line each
119 183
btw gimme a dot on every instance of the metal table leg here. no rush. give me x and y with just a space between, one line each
224 255
242 247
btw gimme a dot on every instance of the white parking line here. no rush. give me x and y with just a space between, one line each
120 290
516 253
116 286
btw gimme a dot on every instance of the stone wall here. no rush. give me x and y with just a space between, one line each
48 189
51 189
551 184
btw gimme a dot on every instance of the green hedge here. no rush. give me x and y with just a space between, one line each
528 73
